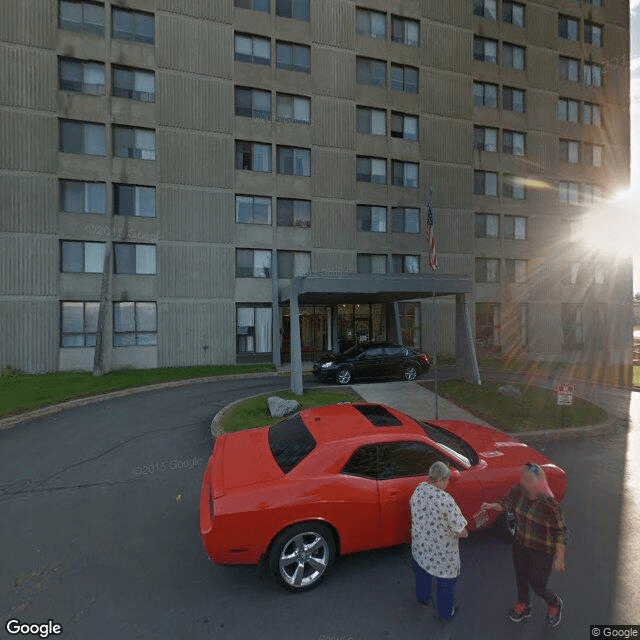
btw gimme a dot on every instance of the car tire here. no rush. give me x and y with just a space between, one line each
343 375
505 526
409 372
301 555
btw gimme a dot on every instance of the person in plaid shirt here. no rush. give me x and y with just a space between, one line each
539 542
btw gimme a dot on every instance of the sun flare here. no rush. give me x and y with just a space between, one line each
613 228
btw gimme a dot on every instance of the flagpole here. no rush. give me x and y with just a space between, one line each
434 331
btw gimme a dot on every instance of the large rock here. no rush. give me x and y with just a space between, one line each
279 407
509 391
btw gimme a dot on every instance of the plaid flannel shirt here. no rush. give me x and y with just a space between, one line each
539 523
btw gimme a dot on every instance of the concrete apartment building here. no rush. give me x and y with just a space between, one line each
168 166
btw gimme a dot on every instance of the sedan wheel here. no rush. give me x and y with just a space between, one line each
301 555
409 373
343 376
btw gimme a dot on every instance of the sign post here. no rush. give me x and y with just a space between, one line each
564 397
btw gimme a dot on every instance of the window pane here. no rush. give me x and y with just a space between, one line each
125 257
91 311
145 142
378 24
94 139
378 171
379 122
302 213
146 316
93 77
94 257
73 317
72 196
70 14
301 109
144 28
263 332
412 221
491 184
379 219
122 24
284 55
95 197
146 202
124 200
378 264
71 76
262 210
93 15
492 226
70 137
144 85
262 264
285 264
72 257
145 259
123 317
301 263
261 104
243 48
411 127
261 157
412 264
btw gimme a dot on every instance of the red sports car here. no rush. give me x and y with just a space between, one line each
335 480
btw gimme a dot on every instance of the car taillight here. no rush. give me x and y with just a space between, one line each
425 358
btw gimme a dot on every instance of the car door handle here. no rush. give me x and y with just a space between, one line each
393 493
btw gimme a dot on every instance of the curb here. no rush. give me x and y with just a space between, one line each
570 433
26 416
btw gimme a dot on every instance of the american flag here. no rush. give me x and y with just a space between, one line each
431 239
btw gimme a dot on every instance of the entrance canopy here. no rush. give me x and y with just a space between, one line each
382 288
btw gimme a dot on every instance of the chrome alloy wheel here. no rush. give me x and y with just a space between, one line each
304 559
410 373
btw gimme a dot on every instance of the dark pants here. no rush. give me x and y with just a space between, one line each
445 590
532 568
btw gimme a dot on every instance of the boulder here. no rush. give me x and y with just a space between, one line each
279 407
509 391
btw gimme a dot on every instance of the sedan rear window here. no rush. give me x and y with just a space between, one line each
290 441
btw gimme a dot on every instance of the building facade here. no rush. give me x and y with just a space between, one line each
167 166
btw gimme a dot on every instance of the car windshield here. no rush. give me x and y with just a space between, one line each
356 350
290 441
456 446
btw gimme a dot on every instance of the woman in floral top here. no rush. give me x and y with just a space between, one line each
539 543
436 526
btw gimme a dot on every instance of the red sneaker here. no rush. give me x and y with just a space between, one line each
519 612
554 613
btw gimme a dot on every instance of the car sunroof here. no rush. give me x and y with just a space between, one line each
378 415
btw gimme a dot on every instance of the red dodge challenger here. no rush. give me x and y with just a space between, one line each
336 480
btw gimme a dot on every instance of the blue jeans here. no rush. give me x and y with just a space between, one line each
445 590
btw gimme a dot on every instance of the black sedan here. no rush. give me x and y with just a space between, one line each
374 360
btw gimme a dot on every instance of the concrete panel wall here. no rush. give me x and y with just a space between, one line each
28 203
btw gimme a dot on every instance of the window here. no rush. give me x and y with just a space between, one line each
592 74
252 49
574 272
568 110
570 151
372 170
487 225
82 257
254 5
485 139
136 26
488 325
135 84
363 462
253 329
372 121
134 200
404 78
486 9
371 218
515 228
371 23
82 76
485 50
294 57
485 94
131 142
371 72
568 27
404 126
599 270
594 3
137 259
253 210
290 441
572 334
135 324
293 109
513 142
592 114
406 459
82 197
293 161
78 324
591 194
593 34
253 156
81 16
405 31
405 174
296 9
487 270
405 220
592 154
86 138
513 13
293 263
569 69
513 56
516 271
253 263
253 103
294 213
485 183
568 192
513 99
372 263
513 187
405 264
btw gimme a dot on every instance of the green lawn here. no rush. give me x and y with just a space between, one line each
535 409
19 392
254 412
636 376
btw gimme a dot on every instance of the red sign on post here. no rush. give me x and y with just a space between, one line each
564 394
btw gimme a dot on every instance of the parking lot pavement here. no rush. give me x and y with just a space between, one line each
100 533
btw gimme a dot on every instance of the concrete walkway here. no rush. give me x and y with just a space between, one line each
414 400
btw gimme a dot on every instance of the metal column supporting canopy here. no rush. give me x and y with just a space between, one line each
360 288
